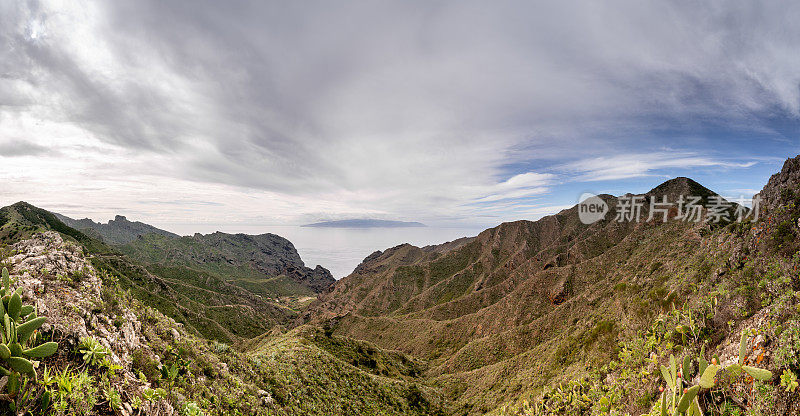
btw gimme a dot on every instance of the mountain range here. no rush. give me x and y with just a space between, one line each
543 317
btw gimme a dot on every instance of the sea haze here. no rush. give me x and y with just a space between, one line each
366 223
340 250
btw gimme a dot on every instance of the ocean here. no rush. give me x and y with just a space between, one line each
340 250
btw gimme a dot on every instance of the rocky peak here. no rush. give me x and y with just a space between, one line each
117 231
676 187
781 186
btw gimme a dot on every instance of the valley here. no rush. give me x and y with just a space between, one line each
542 317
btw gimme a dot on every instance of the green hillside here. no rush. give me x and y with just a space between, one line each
266 264
202 301
116 355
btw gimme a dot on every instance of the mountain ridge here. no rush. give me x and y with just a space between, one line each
525 289
243 259
117 231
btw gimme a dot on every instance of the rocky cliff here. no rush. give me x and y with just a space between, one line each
117 231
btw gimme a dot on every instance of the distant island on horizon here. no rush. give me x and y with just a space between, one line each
365 223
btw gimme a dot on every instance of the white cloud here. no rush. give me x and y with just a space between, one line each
624 166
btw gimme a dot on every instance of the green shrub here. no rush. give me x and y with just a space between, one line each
113 399
71 393
789 381
93 351
145 365
788 352
175 365
192 409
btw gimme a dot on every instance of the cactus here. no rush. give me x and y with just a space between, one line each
686 368
743 348
759 374
707 378
702 364
19 322
685 401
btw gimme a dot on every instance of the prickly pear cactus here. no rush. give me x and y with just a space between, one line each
19 322
684 401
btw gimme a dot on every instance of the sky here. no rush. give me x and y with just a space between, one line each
453 113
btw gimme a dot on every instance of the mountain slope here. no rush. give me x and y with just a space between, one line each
116 231
529 304
552 317
208 304
267 265
21 220
302 372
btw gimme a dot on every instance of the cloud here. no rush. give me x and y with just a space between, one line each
408 110
523 185
633 165
18 148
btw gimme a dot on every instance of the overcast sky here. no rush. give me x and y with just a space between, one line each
445 112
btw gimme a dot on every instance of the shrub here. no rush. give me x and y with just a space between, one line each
93 351
145 365
113 399
75 392
789 381
221 347
788 352
175 365
192 409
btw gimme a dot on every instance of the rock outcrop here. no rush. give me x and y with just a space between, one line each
66 289
775 192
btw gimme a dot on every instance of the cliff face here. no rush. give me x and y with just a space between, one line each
117 231
781 187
